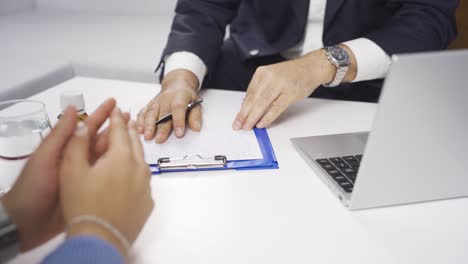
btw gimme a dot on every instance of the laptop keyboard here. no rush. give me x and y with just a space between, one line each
342 170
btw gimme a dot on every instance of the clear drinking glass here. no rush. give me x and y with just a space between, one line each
23 126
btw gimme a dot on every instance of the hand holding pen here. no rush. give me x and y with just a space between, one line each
178 89
168 117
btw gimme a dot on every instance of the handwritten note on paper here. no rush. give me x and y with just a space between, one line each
216 137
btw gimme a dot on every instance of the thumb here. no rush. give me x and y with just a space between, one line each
76 155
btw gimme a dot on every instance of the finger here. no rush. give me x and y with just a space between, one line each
126 116
118 134
151 117
262 102
246 105
179 110
98 117
163 130
102 140
136 143
55 142
276 109
76 154
195 118
141 120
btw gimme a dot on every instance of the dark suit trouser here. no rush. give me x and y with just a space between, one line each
232 73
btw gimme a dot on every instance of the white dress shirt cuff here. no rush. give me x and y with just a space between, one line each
372 61
184 60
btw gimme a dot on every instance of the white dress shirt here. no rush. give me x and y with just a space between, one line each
372 61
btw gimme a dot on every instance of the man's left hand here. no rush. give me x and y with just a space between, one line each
274 88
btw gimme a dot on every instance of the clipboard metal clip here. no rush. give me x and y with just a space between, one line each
192 162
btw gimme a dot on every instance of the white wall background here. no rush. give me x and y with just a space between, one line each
12 6
116 39
123 7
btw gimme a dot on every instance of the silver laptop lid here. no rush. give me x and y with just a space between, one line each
418 148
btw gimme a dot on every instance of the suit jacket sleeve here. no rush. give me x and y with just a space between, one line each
199 27
417 25
84 249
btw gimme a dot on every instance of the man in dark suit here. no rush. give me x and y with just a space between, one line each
274 50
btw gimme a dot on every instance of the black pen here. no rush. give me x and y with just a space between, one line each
168 117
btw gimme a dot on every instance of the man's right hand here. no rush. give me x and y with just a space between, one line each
179 88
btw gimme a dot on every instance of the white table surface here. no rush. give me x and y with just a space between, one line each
276 216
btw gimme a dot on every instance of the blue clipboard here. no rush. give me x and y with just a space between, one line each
220 162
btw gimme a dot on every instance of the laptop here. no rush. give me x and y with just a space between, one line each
417 149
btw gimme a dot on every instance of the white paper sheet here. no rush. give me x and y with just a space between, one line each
215 138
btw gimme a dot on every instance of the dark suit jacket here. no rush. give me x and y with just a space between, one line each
272 26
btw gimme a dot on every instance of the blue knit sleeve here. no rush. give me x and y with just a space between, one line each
84 249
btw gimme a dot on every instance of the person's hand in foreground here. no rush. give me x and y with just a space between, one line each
274 88
33 203
115 188
179 88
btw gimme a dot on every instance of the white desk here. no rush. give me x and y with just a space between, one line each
277 216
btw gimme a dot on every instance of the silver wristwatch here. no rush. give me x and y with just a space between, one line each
9 240
340 59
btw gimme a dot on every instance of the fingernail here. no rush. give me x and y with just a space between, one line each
81 130
159 138
113 115
196 125
116 111
237 125
179 132
148 134
247 127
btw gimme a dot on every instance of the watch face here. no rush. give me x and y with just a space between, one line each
339 54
